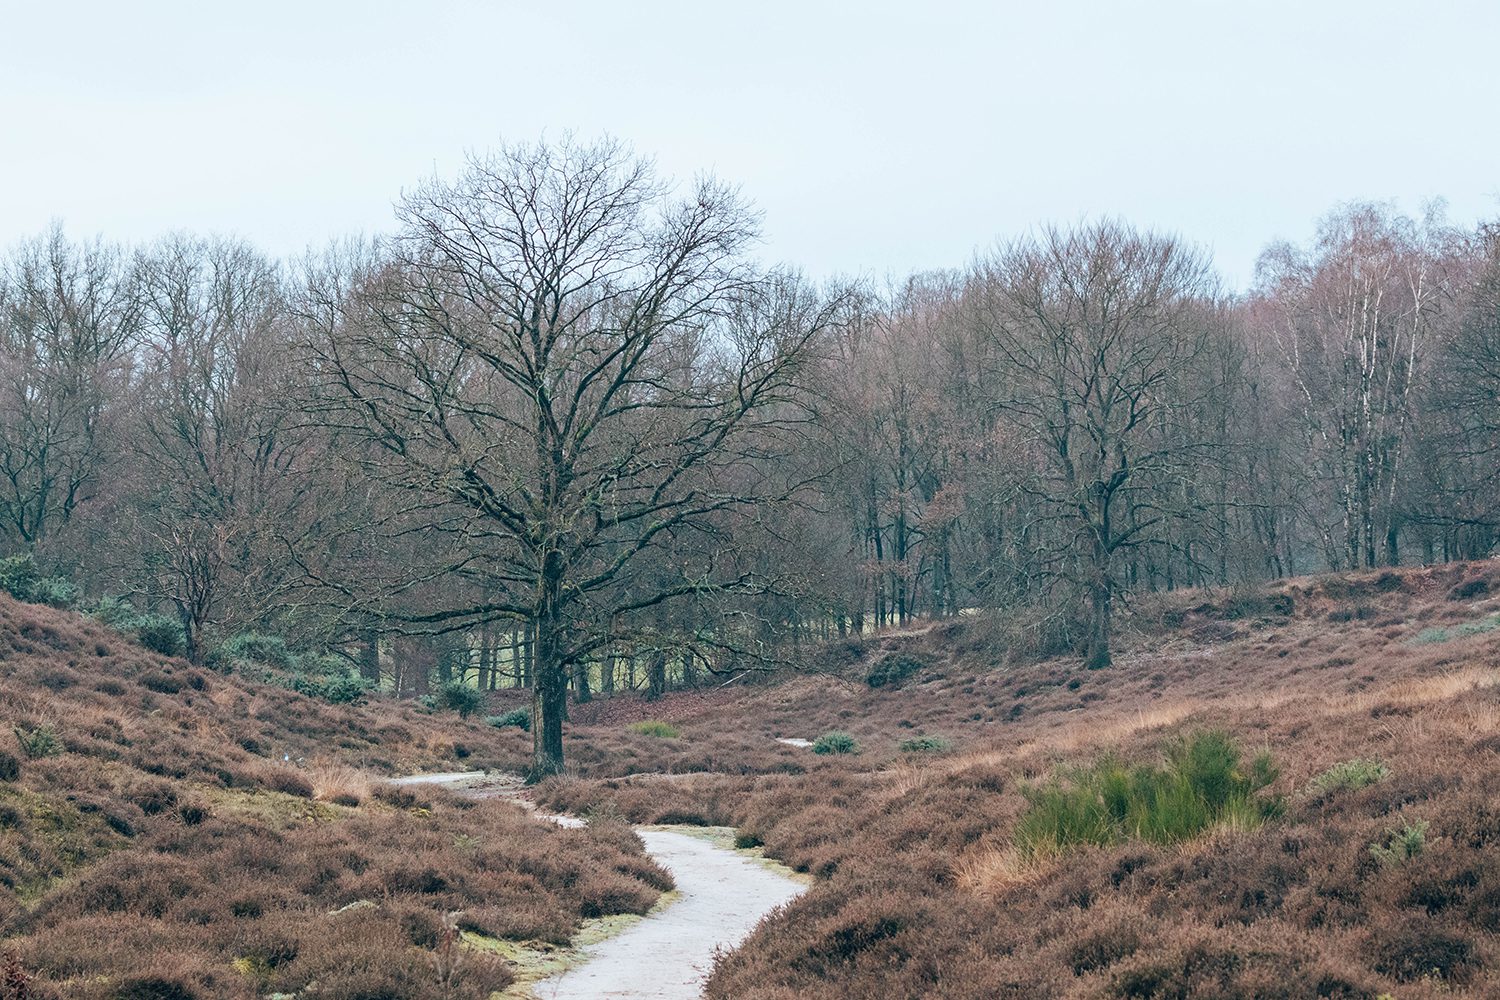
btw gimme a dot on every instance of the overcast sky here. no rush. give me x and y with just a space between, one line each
876 137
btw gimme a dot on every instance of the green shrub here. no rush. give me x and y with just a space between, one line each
116 612
10 766
835 742
891 670
518 717
1348 776
1441 633
1401 845
458 697
41 741
252 648
925 744
327 677
159 634
20 578
1201 785
653 727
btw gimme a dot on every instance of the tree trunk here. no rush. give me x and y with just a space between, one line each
656 675
369 657
549 700
1098 656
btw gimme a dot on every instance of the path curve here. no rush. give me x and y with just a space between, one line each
722 894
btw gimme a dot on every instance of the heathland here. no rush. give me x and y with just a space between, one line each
1287 791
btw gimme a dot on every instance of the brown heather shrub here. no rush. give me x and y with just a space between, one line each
170 837
1295 909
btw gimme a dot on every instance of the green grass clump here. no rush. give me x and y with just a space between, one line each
1348 776
925 744
1401 845
518 717
1200 786
655 727
835 742
1443 633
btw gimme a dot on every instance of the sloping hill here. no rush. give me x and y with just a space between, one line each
169 833
1377 872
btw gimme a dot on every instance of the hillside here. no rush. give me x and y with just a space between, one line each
169 833
1376 697
241 829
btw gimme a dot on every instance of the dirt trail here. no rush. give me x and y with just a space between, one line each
721 895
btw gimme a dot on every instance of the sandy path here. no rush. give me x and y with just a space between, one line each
669 955
721 895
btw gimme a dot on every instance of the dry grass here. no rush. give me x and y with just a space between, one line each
198 836
922 893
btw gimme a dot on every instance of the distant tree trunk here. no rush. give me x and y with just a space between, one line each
369 657
656 675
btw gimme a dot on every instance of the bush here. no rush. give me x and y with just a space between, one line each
1401 845
159 634
116 612
1440 633
252 648
10 766
835 742
1348 776
654 727
339 688
458 697
39 742
20 578
891 670
1201 786
518 717
925 744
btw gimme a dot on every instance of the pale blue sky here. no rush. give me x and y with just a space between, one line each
876 137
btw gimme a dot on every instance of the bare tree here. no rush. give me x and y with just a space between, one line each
216 437
66 330
1094 332
567 370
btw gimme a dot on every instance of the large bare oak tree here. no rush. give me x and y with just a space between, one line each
572 373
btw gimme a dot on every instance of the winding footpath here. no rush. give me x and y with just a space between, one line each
721 895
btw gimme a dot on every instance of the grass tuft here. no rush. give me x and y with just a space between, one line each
1200 786
835 742
655 727
1348 776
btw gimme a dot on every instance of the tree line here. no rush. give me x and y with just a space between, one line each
562 429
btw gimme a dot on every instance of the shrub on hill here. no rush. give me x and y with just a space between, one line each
456 696
251 649
924 744
1200 786
892 669
835 742
653 727
1348 776
518 717
20 578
